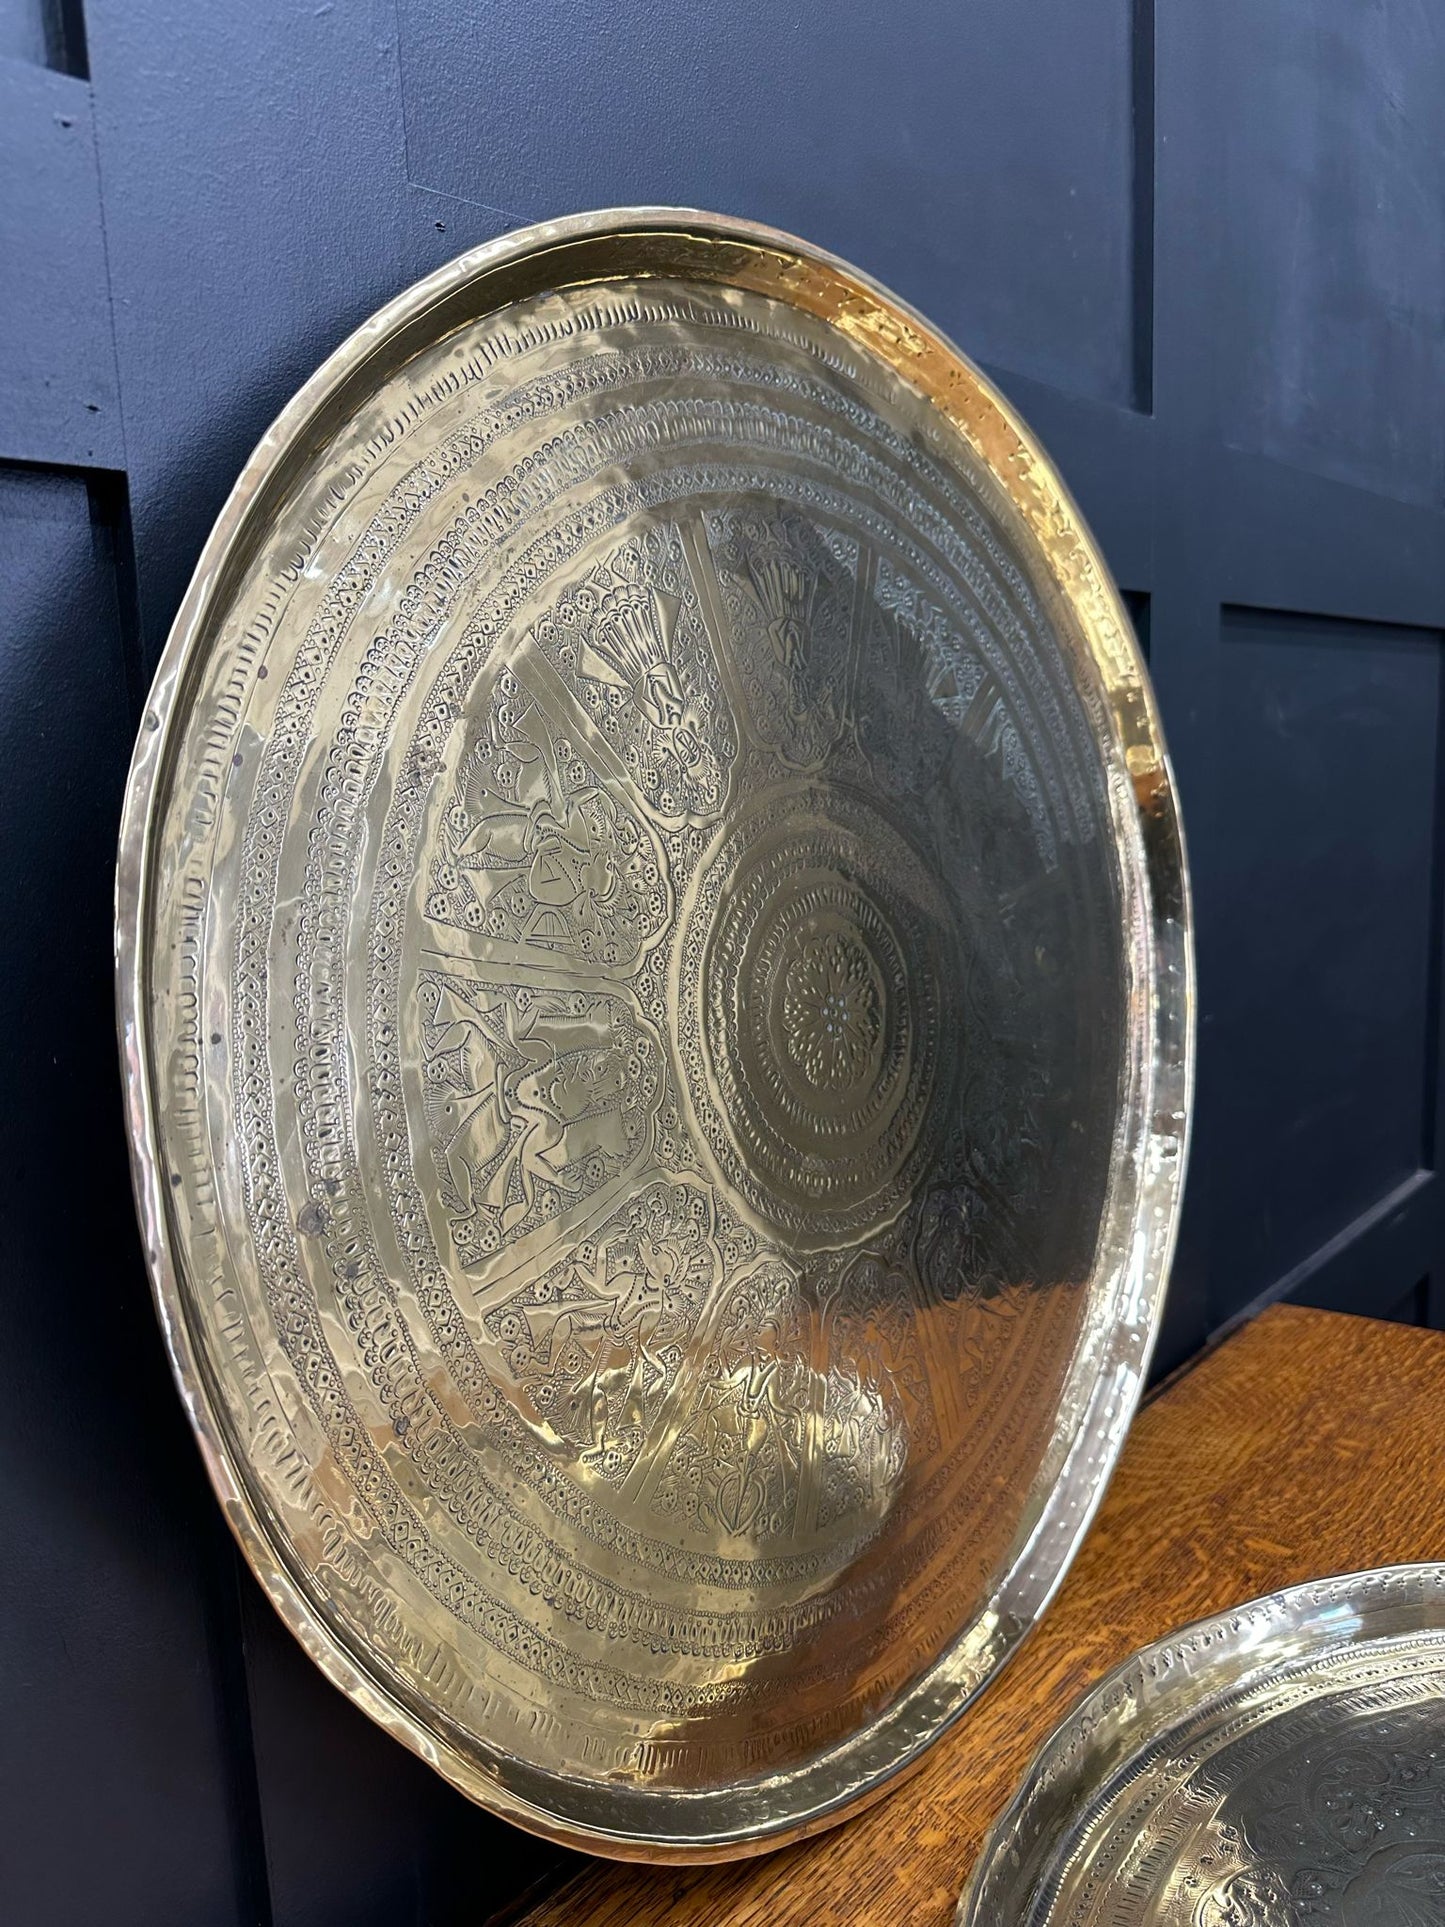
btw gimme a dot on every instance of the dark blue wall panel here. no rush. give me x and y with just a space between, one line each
257 209
977 158
1321 942
117 1796
1332 326
58 394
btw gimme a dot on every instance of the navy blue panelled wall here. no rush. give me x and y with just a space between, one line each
1201 245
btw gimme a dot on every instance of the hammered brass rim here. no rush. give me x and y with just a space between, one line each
822 986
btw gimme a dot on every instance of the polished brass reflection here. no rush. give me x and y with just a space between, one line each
654 988
1281 1764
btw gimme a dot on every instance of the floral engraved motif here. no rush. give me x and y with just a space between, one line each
1362 1820
831 1010
1250 1899
596 1343
628 639
534 1100
1400 1886
737 1463
878 1397
926 682
1335 1814
537 851
788 599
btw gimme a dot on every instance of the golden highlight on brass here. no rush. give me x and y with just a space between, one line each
654 987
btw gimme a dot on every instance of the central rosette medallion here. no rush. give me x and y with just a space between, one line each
810 966
832 1020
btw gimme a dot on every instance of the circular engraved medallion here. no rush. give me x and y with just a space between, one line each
1280 1765
816 1037
654 982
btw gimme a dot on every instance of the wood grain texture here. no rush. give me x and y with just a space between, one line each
1298 1448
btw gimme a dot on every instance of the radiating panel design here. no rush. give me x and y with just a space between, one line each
681 804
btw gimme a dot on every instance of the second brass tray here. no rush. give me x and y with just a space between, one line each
1279 1765
654 992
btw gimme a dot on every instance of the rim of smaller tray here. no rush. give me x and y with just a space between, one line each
1163 1684
633 243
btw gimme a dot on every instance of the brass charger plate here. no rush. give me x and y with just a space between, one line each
654 994
1277 1766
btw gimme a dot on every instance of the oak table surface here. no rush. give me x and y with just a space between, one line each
1308 1443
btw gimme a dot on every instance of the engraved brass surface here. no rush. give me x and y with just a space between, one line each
654 985
1280 1765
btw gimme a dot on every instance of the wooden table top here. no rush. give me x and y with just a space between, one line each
1301 1446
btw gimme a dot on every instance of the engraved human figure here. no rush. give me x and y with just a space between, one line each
564 840
767 1405
519 1098
499 1108
539 851
573 847
549 1105
740 1460
620 1310
596 1342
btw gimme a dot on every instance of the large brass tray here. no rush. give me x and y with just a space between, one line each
655 1000
1280 1765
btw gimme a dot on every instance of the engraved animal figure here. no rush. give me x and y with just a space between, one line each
539 851
597 1342
532 1100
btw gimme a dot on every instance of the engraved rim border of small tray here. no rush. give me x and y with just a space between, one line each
1103 1739
681 242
